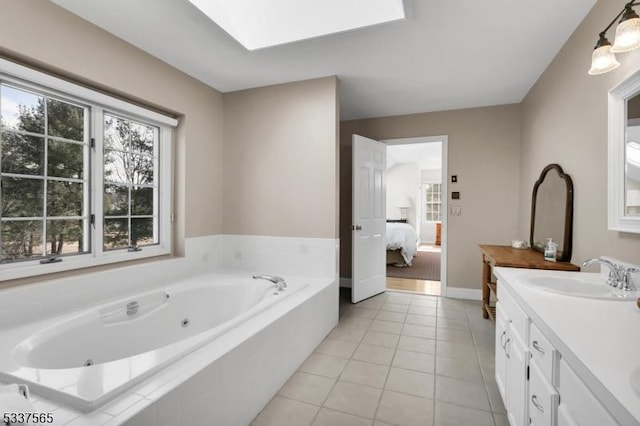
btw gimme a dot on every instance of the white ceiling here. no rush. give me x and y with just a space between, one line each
427 155
448 54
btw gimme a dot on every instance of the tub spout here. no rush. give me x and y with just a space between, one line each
278 281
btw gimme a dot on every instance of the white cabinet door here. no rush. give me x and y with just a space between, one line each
500 356
576 398
516 380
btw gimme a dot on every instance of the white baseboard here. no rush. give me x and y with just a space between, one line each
464 293
345 282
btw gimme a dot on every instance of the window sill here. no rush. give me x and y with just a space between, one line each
71 264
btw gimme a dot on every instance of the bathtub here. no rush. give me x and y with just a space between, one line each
85 359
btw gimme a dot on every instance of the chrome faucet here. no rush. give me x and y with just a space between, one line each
619 275
278 281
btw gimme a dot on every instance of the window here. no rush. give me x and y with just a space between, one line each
433 202
43 144
130 195
84 180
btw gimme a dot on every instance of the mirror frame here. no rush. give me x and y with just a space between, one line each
567 240
618 96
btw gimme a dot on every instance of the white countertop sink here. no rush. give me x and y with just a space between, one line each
587 285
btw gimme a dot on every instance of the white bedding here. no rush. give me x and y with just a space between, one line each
402 236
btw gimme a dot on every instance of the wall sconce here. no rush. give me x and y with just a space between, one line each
404 205
627 38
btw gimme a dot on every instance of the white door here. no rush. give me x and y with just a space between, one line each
368 270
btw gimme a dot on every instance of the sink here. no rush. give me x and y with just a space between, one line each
592 287
635 380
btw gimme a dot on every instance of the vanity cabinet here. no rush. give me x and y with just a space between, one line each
538 387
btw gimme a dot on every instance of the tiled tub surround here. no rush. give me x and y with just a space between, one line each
396 359
227 381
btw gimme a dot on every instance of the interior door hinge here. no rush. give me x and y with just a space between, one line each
527 372
92 220
93 143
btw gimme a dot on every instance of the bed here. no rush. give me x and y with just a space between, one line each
402 244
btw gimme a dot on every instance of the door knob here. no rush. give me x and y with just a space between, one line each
356 228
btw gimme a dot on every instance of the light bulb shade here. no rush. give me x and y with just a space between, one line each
627 35
404 202
603 60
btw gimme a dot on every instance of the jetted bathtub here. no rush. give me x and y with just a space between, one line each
87 358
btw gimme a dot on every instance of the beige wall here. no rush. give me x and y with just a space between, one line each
281 160
42 34
483 152
564 120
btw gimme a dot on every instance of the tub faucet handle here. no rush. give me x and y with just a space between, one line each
627 278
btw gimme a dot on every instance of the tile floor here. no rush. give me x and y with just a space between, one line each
396 359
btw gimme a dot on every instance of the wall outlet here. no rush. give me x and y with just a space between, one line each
455 211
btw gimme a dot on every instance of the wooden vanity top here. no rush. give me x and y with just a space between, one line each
522 258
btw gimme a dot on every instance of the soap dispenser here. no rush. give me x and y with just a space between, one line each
550 250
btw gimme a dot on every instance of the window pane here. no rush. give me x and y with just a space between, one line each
116 166
22 154
20 240
64 198
116 200
65 159
116 133
22 110
22 197
142 232
65 120
64 237
142 172
142 139
141 201
116 233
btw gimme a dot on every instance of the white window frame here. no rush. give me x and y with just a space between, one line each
99 104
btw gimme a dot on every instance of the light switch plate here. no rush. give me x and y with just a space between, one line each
455 211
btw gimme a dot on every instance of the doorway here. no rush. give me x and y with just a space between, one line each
416 178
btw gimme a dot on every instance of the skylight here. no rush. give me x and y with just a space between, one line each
257 24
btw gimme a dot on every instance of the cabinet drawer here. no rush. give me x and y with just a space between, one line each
544 355
543 399
519 320
582 405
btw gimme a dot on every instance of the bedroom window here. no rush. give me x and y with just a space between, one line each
433 202
85 179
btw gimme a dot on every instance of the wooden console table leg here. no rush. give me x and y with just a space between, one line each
486 278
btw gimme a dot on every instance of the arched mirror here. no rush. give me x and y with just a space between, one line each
552 211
